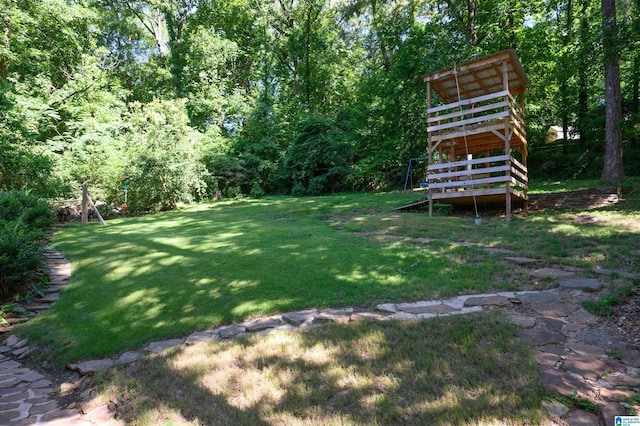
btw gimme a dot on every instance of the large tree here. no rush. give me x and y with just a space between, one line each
613 167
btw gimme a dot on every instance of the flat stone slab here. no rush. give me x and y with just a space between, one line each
129 357
589 368
426 308
387 307
582 418
93 366
586 350
520 260
540 337
487 301
522 321
299 317
545 297
262 324
366 316
545 359
554 309
158 347
602 336
581 283
338 316
229 331
198 337
551 273
565 384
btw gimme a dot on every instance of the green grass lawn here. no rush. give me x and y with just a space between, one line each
147 278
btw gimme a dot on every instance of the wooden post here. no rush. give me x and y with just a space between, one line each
507 142
85 205
429 150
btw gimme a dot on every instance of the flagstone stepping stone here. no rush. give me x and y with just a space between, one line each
199 337
586 350
403 316
602 336
426 308
582 418
581 283
262 324
545 297
129 357
555 408
589 368
387 307
299 317
520 260
339 316
487 301
158 347
551 273
545 359
229 331
621 378
551 324
554 309
581 316
540 337
366 316
557 381
521 321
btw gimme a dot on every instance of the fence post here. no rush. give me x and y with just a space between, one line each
85 207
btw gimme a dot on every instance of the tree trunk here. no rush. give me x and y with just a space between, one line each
613 167
4 43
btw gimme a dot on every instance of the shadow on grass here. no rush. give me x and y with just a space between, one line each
453 370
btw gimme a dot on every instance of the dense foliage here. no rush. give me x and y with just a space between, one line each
23 221
180 98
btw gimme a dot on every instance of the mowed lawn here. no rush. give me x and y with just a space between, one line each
149 278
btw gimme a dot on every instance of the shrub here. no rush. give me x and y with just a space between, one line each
318 160
31 211
20 254
23 220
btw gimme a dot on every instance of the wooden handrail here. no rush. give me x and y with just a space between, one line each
464 102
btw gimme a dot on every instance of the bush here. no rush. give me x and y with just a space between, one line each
23 221
33 212
318 160
20 255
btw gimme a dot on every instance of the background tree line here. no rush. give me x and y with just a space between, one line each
180 98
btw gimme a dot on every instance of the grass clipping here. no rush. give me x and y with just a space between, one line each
454 371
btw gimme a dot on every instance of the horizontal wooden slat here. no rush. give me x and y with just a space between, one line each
469 121
517 173
459 173
469 131
518 164
474 110
469 183
464 102
467 162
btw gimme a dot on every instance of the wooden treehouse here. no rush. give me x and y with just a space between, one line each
477 144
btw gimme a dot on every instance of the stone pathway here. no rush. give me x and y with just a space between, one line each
577 356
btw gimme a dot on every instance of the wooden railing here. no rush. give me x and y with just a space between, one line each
474 115
478 174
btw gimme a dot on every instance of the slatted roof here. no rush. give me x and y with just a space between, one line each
479 77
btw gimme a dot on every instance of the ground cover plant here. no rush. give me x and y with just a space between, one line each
446 371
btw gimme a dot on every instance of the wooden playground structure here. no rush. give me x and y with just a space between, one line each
477 144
